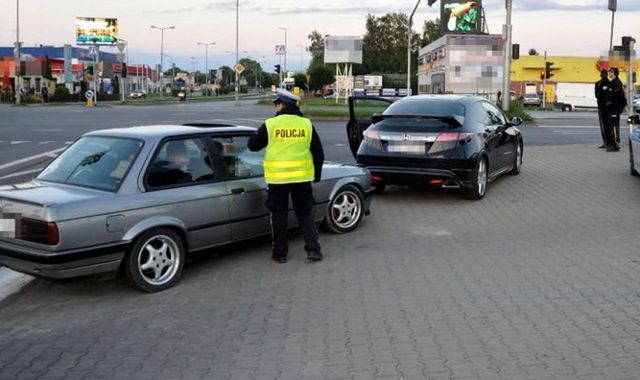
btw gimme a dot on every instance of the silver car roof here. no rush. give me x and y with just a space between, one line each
156 132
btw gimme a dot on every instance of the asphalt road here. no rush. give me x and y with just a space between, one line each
32 136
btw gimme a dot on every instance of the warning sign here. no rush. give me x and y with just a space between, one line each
280 50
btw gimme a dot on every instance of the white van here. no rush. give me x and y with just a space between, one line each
570 96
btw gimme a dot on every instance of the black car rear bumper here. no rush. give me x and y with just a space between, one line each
60 265
451 178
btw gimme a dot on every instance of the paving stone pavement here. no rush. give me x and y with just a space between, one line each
537 281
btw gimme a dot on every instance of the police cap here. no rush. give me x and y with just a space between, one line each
284 96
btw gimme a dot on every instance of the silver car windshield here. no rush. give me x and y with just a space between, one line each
96 162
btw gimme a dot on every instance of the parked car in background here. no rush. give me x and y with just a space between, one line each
138 94
141 199
444 141
570 96
636 103
531 100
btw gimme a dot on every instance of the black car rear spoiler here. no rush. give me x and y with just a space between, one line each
457 119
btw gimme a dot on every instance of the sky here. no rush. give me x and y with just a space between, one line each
561 27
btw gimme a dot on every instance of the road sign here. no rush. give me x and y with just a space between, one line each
280 50
93 51
120 57
121 44
239 68
88 94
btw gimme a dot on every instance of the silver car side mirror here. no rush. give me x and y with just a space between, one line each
516 121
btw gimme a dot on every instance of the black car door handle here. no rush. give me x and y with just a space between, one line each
238 190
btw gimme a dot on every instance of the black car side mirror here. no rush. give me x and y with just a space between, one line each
516 121
634 119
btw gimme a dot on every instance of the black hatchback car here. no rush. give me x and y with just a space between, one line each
434 140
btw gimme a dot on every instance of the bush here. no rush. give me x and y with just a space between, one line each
61 91
516 109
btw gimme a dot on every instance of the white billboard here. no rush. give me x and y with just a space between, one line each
342 49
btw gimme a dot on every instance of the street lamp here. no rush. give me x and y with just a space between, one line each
409 35
17 65
162 29
301 57
237 25
206 64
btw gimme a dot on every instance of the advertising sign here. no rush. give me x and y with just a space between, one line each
461 16
99 31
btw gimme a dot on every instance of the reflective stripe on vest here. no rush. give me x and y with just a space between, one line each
288 158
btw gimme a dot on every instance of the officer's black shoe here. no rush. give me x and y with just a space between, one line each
280 259
602 146
613 148
314 255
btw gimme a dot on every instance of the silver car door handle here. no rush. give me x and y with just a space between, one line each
238 190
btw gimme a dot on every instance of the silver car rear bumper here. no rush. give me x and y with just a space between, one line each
60 265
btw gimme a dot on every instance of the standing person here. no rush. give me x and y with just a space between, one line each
601 88
293 159
614 102
45 94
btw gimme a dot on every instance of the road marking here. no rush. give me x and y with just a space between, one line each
19 142
18 174
27 159
47 130
569 126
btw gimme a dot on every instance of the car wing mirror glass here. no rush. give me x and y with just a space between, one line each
516 121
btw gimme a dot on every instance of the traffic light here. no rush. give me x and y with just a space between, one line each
277 68
124 70
515 51
549 70
542 74
431 2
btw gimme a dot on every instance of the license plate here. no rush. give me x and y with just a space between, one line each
7 228
406 148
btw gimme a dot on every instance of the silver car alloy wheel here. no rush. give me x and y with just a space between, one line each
158 260
482 177
346 209
519 157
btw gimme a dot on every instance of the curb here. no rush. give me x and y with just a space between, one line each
11 282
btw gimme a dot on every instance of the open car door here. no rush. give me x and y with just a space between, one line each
361 110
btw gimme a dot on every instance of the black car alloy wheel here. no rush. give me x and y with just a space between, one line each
480 181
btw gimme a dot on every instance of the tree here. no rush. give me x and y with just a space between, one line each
252 70
320 76
226 75
385 44
533 51
431 31
300 80
316 48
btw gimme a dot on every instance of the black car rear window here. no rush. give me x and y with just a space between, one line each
425 106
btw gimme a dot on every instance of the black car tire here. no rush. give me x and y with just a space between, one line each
169 274
632 168
345 210
517 162
480 181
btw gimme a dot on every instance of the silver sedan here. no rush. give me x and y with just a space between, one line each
140 199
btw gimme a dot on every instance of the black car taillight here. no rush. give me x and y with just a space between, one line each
39 231
453 136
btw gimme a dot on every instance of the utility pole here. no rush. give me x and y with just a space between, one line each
162 29
206 64
506 90
613 5
17 65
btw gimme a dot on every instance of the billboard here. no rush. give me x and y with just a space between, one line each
98 31
342 49
461 16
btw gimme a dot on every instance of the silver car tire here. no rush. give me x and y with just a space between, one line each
156 260
345 210
480 181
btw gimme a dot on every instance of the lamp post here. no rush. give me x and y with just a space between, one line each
285 49
17 65
409 35
237 23
506 98
162 29
206 63
301 58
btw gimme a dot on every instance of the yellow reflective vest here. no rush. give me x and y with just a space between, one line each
288 158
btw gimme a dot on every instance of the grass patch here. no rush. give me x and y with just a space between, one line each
516 109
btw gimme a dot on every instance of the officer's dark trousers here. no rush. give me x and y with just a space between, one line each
612 132
278 204
603 119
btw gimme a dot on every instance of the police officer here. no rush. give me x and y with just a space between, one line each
614 102
601 88
293 159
